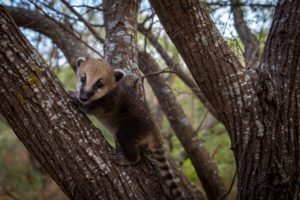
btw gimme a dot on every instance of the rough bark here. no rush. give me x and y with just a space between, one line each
60 137
120 48
211 62
260 106
190 190
279 150
249 40
204 165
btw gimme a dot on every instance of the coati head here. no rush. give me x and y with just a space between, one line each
95 78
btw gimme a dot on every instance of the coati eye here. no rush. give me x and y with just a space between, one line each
99 84
83 78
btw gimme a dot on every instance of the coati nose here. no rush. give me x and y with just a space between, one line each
83 97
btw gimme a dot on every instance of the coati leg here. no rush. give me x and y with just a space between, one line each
74 98
118 148
129 148
73 95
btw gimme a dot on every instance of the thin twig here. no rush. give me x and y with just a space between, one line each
57 11
215 151
99 7
148 18
153 74
157 73
225 27
202 121
267 5
230 188
86 23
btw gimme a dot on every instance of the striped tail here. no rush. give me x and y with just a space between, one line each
161 162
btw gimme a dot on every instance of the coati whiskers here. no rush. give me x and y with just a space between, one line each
103 92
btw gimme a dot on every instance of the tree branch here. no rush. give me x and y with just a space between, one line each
178 69
88 25
120 18
251 43
210 60
241 4
70 46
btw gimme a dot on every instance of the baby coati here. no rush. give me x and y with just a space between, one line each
104 92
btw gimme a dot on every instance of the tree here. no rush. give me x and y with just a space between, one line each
258 106
61 138
25 17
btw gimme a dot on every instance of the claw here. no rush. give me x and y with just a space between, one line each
120 159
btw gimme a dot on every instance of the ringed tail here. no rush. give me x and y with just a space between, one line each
159 156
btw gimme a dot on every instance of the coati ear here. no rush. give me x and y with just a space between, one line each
119 74
79 61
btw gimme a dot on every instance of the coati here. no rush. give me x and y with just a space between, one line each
104 92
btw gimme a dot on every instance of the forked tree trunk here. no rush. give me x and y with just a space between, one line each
260 107
22 16
60 137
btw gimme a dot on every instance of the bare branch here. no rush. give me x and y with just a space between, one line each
209 58
173 66
251 43
241 4
72 46
155 73
230 187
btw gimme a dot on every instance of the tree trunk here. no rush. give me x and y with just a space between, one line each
120 18
60 137
260 106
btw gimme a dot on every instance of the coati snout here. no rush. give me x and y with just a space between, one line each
95 79
84 96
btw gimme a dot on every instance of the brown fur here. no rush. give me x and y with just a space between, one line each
120 109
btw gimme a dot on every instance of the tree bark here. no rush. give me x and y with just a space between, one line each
204 165
260 106
60 137
120 48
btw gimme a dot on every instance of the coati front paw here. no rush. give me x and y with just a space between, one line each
120 159
74 99
73 95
